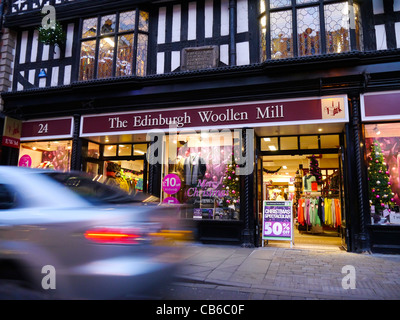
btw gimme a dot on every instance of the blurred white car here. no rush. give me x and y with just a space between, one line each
86 240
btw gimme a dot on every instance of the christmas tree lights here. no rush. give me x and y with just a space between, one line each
315 170
380 192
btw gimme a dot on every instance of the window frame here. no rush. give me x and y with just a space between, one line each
114 35
293 7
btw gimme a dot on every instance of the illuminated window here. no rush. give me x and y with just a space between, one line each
114 45
308 27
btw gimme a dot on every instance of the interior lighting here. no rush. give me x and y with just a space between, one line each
376 130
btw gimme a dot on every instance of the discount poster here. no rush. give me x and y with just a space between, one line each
277 220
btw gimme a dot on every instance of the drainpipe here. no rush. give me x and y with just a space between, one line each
232 32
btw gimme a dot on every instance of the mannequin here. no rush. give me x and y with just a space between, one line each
192 168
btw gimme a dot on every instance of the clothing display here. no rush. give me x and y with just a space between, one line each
317 211
307 182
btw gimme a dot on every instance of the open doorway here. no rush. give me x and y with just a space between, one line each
312 183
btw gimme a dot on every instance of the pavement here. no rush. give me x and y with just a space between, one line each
298 273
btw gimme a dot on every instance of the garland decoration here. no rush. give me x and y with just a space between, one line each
53 35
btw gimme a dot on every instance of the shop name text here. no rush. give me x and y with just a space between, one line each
209 116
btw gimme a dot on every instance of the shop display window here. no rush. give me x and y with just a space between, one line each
289 143
330 141
93 150
127 175
46 154
382 147
124 150
200 172
309 142
269 144
110 150
139 149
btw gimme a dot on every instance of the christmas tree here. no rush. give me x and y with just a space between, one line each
380 192
315 170
231 185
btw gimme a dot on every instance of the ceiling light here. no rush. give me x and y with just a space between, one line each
377 131
267 139
272 148
284 167
320 129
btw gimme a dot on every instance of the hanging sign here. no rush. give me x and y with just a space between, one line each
277 220
11 132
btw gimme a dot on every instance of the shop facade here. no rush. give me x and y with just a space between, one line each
381 129
167 94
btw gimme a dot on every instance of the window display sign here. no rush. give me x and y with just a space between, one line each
171 183
171 200
277 220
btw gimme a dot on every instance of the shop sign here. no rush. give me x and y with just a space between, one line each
380 106
171 183
11 132
255 114
277 220
171 200
56 128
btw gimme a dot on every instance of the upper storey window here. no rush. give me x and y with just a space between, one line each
297 28
114 45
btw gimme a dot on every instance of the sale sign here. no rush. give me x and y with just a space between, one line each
171 183
277 220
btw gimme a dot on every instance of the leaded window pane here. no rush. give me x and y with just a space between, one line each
305 1
279 3
106 54
127 21
337 27
143 21
141 57
107 24
281 34
87 60
89 28
308 30
125 55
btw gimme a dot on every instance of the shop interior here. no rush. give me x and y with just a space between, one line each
290 178
304 167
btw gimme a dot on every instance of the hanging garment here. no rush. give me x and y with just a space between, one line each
328 211
315 221
307 180
307 212
321 209
333 212
338 212
300 212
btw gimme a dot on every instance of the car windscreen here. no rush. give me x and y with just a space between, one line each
93 191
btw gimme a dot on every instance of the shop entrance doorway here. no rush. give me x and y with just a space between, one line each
313 183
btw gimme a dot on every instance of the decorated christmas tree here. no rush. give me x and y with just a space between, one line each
380 192
315 170
231 185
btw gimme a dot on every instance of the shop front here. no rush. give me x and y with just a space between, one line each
46 143
381 127
216 160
